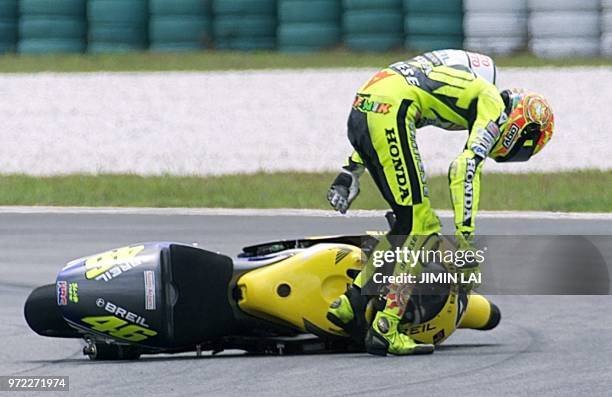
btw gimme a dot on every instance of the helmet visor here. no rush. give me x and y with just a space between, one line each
525 146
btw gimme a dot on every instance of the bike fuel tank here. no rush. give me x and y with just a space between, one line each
299 290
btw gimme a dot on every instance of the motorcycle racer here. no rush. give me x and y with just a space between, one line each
445 89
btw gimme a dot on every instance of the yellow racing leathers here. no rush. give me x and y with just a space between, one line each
393 104
386 112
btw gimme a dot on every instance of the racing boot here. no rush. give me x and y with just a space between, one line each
348 313
384 337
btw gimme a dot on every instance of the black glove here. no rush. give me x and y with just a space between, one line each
345 188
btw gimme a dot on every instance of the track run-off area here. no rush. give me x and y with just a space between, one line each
227 122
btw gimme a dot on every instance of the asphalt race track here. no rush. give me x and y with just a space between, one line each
545 345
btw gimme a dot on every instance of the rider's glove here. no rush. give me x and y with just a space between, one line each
469 265
345 188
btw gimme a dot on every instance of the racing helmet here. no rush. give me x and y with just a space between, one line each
528 127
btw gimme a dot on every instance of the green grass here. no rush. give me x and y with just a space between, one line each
570 191
211 60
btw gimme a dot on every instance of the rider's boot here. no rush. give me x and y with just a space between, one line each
384 337
348 313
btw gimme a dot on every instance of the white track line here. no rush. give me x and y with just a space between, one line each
287 212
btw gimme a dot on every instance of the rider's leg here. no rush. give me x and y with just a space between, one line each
400 176
384 336
390 154
348 310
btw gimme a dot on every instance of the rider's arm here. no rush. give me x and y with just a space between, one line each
464 179
354 161
464 173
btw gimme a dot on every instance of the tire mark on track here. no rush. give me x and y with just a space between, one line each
471 370
47 364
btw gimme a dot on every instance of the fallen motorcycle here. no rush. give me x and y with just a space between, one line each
162 297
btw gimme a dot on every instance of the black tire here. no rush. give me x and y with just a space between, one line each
313 35
44 316
9 10
113 352
8 31
433 7
431 42
296 11
56 28
372 22
133 12
372 5
102 47
246 44
7 46
373 43
244 7
298 49
125 34
494 318
43 46
176 47
244 27
180 7
435 25
75 8
175 29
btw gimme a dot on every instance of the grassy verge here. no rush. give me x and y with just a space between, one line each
569 191
212 60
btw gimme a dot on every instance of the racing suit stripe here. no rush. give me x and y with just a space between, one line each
405 136
464 181
468 219
359 136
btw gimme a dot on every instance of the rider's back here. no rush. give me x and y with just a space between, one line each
440 95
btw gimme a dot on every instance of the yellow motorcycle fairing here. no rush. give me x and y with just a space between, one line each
298 290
